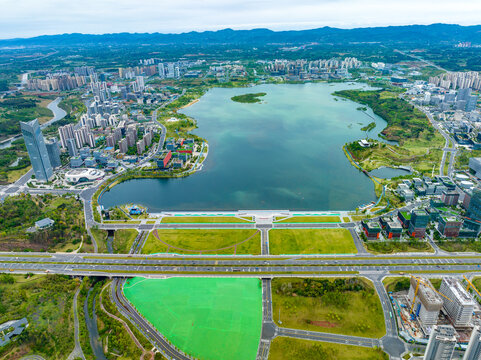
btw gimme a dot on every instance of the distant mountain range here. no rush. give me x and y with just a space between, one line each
409 34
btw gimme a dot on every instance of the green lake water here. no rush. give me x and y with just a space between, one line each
284 153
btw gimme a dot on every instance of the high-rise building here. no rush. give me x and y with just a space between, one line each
463 94
471 102
427 303
461 306
473 351
71 147
65 132
441 343
37 151
161 70
123 146
474 208
53 150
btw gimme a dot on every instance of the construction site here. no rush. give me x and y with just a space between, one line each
452 302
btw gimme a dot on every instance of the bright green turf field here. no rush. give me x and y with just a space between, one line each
209 318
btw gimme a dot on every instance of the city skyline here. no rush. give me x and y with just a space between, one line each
27 18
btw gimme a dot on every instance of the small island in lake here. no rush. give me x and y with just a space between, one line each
248 98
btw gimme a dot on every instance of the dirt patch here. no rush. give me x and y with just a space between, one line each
324 324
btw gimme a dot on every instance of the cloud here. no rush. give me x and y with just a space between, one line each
23 18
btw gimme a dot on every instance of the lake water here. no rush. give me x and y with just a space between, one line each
284 153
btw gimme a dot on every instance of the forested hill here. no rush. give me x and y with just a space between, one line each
410 34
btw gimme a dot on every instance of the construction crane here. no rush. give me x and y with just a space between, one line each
471 285
420 281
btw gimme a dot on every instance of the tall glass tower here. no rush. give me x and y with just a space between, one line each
37 151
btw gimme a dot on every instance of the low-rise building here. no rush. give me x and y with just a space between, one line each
371 228
392 227
76 162
450 198
44 223
449 226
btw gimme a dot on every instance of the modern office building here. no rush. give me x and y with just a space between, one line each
371 228
474 208
418 223
449 226
441 343
392 227
450 198
475 166
427 303
53 150
461 306
37 151
473 351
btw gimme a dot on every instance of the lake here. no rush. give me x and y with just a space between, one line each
284 153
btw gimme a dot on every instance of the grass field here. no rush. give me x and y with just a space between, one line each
283 348
356 313
46 302
310 219
208 318
198 241
311 241
101 239
202 219
460 245
391 247
123 240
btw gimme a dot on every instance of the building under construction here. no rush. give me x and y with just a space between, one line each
461 308
427 303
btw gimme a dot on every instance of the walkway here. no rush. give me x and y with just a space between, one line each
77 352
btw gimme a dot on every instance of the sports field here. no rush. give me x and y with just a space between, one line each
208 318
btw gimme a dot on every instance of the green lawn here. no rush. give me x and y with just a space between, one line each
202 219
310 304
311 241
123 240
196 241
101 239
284 348
460 245
310 219
208 318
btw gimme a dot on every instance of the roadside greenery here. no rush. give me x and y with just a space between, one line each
389 247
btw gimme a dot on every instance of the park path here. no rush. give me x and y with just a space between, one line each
77 351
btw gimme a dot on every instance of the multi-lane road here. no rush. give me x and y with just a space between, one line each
161 265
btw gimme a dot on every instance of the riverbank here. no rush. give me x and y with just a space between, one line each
189 104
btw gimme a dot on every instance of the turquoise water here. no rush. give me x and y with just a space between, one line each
284 153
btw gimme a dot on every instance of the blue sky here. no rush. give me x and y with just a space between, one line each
25 18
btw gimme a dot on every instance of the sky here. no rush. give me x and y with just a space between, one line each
27 18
